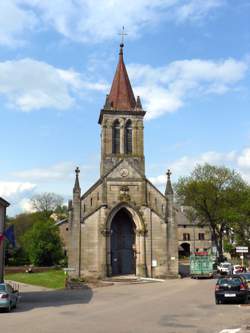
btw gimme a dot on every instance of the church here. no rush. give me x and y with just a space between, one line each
123 224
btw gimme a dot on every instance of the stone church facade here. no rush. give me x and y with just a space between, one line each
123 224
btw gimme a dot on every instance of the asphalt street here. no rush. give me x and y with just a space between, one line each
173 306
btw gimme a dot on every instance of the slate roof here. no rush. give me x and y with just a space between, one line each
121 96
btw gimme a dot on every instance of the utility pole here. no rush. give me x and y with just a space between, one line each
3 205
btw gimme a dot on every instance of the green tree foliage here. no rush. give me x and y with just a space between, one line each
24 222
241 220
15 256
42 244
217 194
46 204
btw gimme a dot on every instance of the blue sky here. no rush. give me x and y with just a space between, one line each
189 61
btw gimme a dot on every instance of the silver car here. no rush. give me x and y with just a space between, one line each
225 268
8 297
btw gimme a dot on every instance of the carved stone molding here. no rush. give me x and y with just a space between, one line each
124 193
141 232
104 231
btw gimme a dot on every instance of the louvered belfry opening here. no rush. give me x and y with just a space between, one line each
116 137
128 137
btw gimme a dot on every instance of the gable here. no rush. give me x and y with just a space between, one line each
124 170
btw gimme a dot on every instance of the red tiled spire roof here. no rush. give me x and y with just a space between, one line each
121 96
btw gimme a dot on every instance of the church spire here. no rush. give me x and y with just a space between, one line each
121 96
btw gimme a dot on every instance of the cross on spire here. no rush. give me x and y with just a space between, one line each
122 34
77 171
169 173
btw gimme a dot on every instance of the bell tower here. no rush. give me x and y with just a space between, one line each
121 121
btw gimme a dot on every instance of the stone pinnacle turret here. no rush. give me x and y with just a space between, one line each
77 187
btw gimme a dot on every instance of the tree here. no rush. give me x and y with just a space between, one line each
46 203
23 222
241 221
216 194
42 244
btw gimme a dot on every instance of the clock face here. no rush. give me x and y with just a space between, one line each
124 172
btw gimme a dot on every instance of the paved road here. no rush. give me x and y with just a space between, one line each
174 306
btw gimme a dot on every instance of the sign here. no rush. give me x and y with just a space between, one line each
202 253
242 249
154 263
69 269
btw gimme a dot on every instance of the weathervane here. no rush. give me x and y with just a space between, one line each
123 33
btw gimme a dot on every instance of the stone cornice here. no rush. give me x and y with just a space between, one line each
120 113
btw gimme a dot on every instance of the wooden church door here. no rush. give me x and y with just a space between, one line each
122 244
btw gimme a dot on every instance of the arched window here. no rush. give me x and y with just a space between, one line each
128 137
116 137
186 237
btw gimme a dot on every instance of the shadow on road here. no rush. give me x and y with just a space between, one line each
39 299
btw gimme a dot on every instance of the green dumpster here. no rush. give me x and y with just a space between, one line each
201 265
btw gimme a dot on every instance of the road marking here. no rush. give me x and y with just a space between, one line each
230 330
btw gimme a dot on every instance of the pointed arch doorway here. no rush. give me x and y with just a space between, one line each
123 259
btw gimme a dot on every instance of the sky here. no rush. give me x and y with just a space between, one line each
189 60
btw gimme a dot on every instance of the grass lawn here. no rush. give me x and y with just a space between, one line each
50 279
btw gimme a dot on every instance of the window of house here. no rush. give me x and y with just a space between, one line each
98 196
116 137
128 137
91 202
84 207
186 237
155 202
201 236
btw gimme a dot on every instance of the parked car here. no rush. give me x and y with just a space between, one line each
237 269
225 268
247 277
8 297
233 287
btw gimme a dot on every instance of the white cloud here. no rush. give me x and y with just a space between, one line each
196 9
29 85
14 22
165 89
185 165
9 188
244 158
17 194
237 160
56 172
25 205
57 178
94 21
